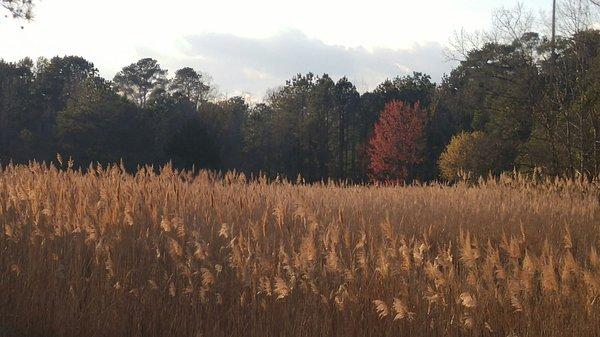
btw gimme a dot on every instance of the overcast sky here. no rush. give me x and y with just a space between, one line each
249 46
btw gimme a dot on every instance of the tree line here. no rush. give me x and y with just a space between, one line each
521 104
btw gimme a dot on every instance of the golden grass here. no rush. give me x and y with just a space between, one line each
107 253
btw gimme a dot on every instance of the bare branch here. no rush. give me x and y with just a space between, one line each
18 9
575 16
510 24
462 42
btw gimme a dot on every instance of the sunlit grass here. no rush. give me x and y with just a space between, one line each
106 253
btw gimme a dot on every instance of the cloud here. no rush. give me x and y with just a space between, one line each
241 65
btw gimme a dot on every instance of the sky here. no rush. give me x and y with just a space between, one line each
251 46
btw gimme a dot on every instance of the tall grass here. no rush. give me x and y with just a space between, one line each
106 253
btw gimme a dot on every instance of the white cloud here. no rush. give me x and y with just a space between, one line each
254 65
254 74
361 39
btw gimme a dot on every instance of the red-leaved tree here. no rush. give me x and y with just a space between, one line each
398 143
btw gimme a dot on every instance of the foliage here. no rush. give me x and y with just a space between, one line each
138 80
190 84
398 143
192 146
538 108
467 153
94 126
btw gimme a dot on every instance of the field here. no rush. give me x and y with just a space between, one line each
108 253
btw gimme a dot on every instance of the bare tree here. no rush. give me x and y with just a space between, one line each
574 16
508 25
462 42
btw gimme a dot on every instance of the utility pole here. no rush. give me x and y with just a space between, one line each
553 87
553 28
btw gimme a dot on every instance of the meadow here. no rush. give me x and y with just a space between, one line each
103 252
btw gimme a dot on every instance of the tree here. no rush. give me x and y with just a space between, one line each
575 16
468 153
189 84
191 146
296 129
566 129
58 78
313 127
56 81
16 111
345 134
224 121
259 151
397 144
411 89
138 80
18 9
180 133
100 126
497 90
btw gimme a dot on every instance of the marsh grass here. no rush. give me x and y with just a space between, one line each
107 253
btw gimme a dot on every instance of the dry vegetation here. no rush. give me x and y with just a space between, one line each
170 254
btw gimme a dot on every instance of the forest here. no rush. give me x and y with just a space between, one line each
517 101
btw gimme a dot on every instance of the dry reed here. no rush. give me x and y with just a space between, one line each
106 253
